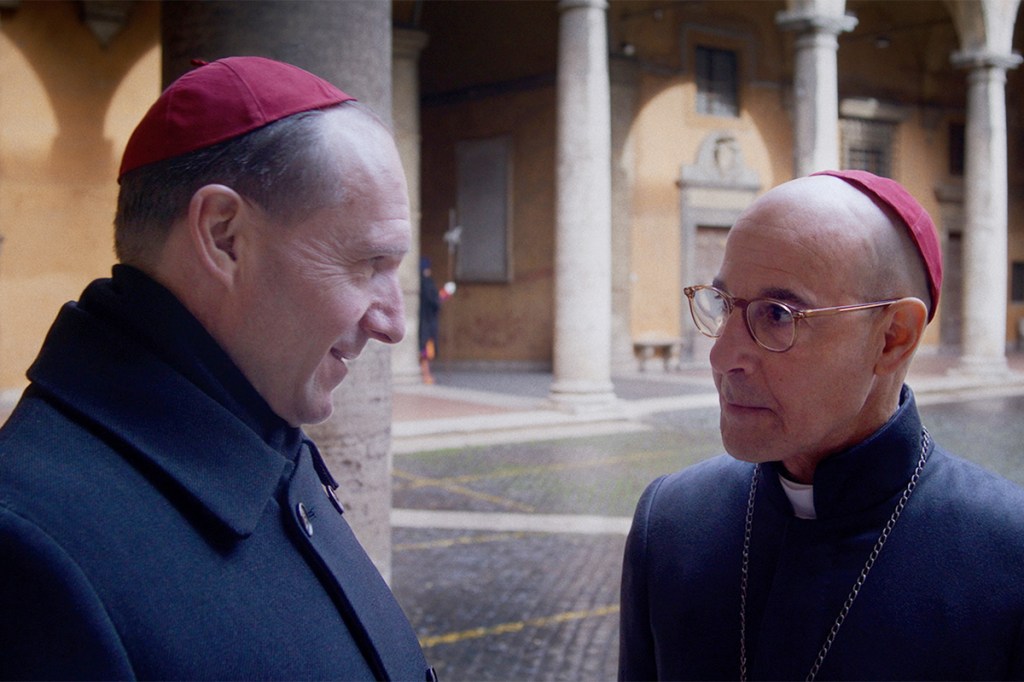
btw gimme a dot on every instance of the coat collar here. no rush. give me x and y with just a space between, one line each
870 473
120 384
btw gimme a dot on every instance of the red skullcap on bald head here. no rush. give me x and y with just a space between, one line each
922 230
222 100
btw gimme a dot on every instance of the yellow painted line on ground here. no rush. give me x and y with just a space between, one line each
424 482
517 626
508 472
461 540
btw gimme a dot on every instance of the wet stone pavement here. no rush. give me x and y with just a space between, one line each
502 605
508 599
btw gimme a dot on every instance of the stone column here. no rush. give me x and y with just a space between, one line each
985 213
582 373
349 44
815 89
408 43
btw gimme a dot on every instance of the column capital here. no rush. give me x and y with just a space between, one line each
805 21
981 58
565 5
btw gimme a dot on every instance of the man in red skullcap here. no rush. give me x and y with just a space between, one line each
162 514
836 540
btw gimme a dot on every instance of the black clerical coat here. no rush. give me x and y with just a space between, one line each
944 600
157 521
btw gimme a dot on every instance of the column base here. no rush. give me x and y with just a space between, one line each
981 367
407 376
581 395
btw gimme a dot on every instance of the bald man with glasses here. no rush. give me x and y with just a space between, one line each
836 539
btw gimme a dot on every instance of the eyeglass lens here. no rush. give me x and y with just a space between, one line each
710 311
771 324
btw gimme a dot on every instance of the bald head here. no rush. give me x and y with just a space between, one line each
907 212
845 233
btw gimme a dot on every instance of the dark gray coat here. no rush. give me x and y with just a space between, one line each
150 524
944 600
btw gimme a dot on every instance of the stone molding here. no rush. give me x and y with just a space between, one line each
804 21
976 59
565 5
720 164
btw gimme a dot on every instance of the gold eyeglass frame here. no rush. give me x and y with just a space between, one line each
732 302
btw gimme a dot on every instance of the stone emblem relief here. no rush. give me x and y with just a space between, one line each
719 163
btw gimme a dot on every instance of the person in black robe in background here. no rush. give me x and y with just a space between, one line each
431 299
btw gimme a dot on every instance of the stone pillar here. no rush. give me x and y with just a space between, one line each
582 372
985 213
349 44
815 89
408 43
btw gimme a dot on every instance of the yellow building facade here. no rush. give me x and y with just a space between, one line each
67 106
704 111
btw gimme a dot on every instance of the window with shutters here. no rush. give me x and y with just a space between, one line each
717 82
867 145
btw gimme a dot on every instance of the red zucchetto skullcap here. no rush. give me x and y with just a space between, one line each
922 230
222 100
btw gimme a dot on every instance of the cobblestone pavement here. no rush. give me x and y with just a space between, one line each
496 605
507 555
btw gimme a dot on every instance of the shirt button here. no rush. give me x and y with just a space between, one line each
304 519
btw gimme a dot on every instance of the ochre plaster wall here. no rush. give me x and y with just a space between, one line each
668 133
921 163
68 105
510 322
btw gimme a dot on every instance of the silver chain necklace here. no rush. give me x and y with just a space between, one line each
868 565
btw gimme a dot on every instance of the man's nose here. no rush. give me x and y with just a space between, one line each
385 320
734 347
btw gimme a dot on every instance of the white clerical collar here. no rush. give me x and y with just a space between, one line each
801 496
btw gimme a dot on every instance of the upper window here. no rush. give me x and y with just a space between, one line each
717 84
867 145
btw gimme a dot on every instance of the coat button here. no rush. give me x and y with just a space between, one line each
334 499
304 519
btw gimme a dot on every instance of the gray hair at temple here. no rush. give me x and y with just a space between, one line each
283 167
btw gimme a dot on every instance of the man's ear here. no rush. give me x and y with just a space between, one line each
215 221
904 322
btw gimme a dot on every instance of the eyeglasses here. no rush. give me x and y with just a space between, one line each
771 323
